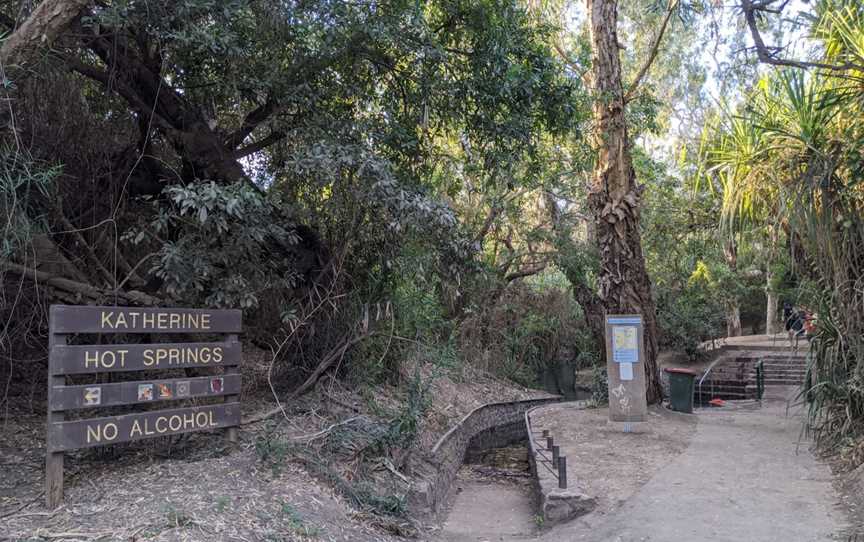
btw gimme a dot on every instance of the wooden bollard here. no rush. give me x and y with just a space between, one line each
562 472
548 443
555 451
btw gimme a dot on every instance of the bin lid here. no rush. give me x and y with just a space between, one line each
681 370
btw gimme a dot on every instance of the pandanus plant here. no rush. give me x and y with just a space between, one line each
791 157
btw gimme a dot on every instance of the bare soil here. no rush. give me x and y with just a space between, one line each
605 463
200 487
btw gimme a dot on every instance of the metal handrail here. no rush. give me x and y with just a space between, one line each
705 375
760 379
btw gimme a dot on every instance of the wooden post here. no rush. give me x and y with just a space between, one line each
556 453
234 369
53 459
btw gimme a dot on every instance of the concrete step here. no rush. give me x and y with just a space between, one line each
783 382
722 384
784 369
800 375
781 364
791 374
779 346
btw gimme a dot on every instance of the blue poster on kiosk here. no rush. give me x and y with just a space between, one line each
625 339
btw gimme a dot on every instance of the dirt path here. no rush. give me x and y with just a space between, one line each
743 476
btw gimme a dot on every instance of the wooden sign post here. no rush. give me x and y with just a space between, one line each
65 359
625 369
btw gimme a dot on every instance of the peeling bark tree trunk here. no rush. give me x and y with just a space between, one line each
45 24
733 319
615 195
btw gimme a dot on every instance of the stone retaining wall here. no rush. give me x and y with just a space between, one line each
488 426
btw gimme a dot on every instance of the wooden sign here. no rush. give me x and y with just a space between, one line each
102 358
112 430
67 359
625 368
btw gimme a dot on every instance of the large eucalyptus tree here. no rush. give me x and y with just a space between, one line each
615 195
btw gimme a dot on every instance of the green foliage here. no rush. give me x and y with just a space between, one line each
688 318
222 503
296 522
791 157
599 385
23 182
521 334
404 427
230 246
176 518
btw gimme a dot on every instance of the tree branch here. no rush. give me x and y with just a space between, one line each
652 54
88 250
74 287
768 55
253 119
109 82
527 272
259 145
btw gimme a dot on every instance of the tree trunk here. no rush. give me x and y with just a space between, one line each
733 319
771 326
733 309
592 309
614 197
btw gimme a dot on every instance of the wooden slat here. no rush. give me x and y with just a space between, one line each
130 427
90 319
131 393
106 358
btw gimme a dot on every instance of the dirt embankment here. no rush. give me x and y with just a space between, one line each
316 473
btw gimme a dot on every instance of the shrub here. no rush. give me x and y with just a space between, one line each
520 334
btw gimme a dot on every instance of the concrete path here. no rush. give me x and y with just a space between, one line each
490 511
743 477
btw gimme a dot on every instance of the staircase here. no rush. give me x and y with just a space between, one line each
733 375
785 370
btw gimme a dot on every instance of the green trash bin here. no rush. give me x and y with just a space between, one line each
681 387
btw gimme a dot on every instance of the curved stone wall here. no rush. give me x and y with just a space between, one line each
487 426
